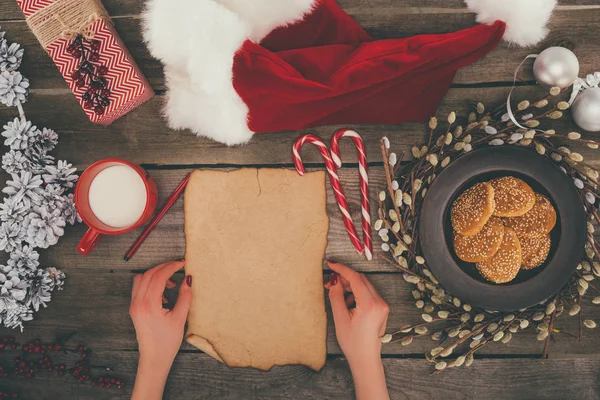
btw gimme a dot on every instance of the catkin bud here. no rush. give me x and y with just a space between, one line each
452 117
432 123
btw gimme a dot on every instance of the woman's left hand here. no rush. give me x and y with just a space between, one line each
159 330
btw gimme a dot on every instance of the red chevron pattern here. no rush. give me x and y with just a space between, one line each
31 6
129 88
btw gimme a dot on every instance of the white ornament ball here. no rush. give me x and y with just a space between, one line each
586 109
556 66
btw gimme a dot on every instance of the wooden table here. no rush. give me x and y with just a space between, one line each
96 296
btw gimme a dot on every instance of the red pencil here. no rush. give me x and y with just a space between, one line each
168 204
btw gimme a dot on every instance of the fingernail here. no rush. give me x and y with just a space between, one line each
188 280
332 262
182 260
333 279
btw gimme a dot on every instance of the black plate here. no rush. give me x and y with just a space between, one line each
530 287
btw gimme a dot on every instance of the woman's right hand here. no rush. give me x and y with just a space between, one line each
360 318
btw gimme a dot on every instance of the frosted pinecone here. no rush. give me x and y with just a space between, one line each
63 174
19 133
38 159
14 89
12 290
14 162
15 317
70 210
25 187
10 56
40 289
44 227
12 211
46 140
53 196
57 276
12 235
24 259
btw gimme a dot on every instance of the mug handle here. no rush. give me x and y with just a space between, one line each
89 241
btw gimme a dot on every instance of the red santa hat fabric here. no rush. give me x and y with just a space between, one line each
236 67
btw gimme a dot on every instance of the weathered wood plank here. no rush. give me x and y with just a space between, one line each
95 304
574 28
196 376
167 242
142 136
10 11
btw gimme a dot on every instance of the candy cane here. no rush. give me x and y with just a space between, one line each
335 183
364 181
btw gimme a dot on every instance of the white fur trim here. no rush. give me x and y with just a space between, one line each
525 20
266 15
197 40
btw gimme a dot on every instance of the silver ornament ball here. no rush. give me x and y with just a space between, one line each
556 66
586 109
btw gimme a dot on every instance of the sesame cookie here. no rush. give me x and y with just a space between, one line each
503 266
536 222
513 197
472 210
534 251
481 246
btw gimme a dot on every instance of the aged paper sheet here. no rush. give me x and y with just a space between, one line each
255 243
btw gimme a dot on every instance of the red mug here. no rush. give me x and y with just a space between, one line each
97 228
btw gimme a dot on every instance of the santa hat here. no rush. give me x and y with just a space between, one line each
236 67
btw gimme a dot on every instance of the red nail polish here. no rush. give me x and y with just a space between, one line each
333 279
188 280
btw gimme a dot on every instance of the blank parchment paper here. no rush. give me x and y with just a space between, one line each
255 242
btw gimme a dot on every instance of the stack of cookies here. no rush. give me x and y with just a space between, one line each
502 226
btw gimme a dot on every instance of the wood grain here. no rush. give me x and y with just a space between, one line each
574 28
95 304
117 8
142 136
196 377
167 241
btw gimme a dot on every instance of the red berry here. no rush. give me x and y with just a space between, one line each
76 53
94 57
13 346
80 83
70 48
57 347
102 70
105 93
37 349
1 346
89 104
22 364
76 75
95 45
99 110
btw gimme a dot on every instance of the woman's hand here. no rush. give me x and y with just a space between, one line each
360 317
159 330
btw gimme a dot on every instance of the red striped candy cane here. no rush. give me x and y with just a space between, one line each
335 183
364 181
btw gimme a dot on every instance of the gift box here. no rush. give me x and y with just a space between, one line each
100 71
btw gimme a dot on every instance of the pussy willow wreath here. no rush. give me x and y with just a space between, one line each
39 203
460 330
